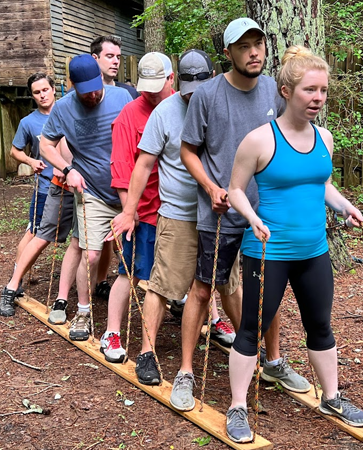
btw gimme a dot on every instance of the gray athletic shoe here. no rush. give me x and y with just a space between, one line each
80 327
57 315
7 302
182 394
112 349
286 376
238 429
342 408
222 333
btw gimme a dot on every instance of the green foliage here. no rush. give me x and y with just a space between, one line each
202 441
187 22
343 23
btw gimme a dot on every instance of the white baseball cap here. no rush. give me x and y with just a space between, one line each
238 28
154 68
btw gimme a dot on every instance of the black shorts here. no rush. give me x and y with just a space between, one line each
229 245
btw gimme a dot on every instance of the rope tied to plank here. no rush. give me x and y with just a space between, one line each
55 248
120 251
212 296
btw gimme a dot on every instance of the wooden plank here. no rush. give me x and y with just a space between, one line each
308 399
213 422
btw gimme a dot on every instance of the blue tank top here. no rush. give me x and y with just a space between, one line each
292 202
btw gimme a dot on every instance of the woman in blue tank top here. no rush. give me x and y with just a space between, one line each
290 159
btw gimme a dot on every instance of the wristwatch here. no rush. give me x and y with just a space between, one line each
67 169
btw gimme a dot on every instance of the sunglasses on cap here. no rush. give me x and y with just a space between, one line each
198 76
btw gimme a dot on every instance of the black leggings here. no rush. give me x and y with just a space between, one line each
312 283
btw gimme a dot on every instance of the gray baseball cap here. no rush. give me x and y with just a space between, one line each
194 68
238 28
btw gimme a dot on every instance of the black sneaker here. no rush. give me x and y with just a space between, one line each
146 369
57 314
7 303
342 408
103 290
176 310
238 429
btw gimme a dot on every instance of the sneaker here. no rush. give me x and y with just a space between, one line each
222 333
286 376
112 349
20 291
57 315
238 429
176 310
7 303
80 327
103 290
182 394
146 369
342 408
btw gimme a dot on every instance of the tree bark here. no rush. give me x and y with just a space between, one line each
288 22
154 29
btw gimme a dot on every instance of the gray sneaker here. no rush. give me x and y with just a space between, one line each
286 376
57 315
342 408
7 302
182 394
238 429
112 349
80 327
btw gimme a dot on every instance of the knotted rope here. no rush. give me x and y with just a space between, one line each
55 248
212 296
119 247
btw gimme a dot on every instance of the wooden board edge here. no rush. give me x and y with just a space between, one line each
224 349
210 420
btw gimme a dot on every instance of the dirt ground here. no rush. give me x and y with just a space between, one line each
88 406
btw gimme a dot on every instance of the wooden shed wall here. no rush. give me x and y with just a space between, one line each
25 40
75 23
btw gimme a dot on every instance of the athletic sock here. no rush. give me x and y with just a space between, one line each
275 362
85 309
182 301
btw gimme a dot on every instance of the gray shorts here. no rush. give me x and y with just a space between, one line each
48 225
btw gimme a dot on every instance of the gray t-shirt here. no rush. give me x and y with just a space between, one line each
177 188
219 116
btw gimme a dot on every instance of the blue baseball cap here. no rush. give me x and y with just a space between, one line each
85 74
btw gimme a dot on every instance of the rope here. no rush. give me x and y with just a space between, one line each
34 221
88 268
212 296
130 296
259 336
55 248
119 247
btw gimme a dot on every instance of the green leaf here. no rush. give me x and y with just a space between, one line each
202 441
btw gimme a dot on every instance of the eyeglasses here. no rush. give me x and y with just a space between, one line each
198 76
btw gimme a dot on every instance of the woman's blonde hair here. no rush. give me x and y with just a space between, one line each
295 62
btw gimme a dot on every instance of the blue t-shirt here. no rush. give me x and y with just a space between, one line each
89 137
29 132
291 190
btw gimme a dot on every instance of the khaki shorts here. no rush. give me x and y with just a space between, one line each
98 218
175 260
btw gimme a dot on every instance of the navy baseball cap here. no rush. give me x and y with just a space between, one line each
85 74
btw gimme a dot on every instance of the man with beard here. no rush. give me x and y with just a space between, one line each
220 114
84 116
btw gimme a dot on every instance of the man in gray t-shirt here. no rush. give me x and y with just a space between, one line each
220 114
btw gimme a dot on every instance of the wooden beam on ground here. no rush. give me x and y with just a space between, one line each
213 422
307 399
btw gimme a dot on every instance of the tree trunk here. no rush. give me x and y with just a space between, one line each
154 28
298 22
288 22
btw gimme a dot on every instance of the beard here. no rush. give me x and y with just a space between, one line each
254 73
